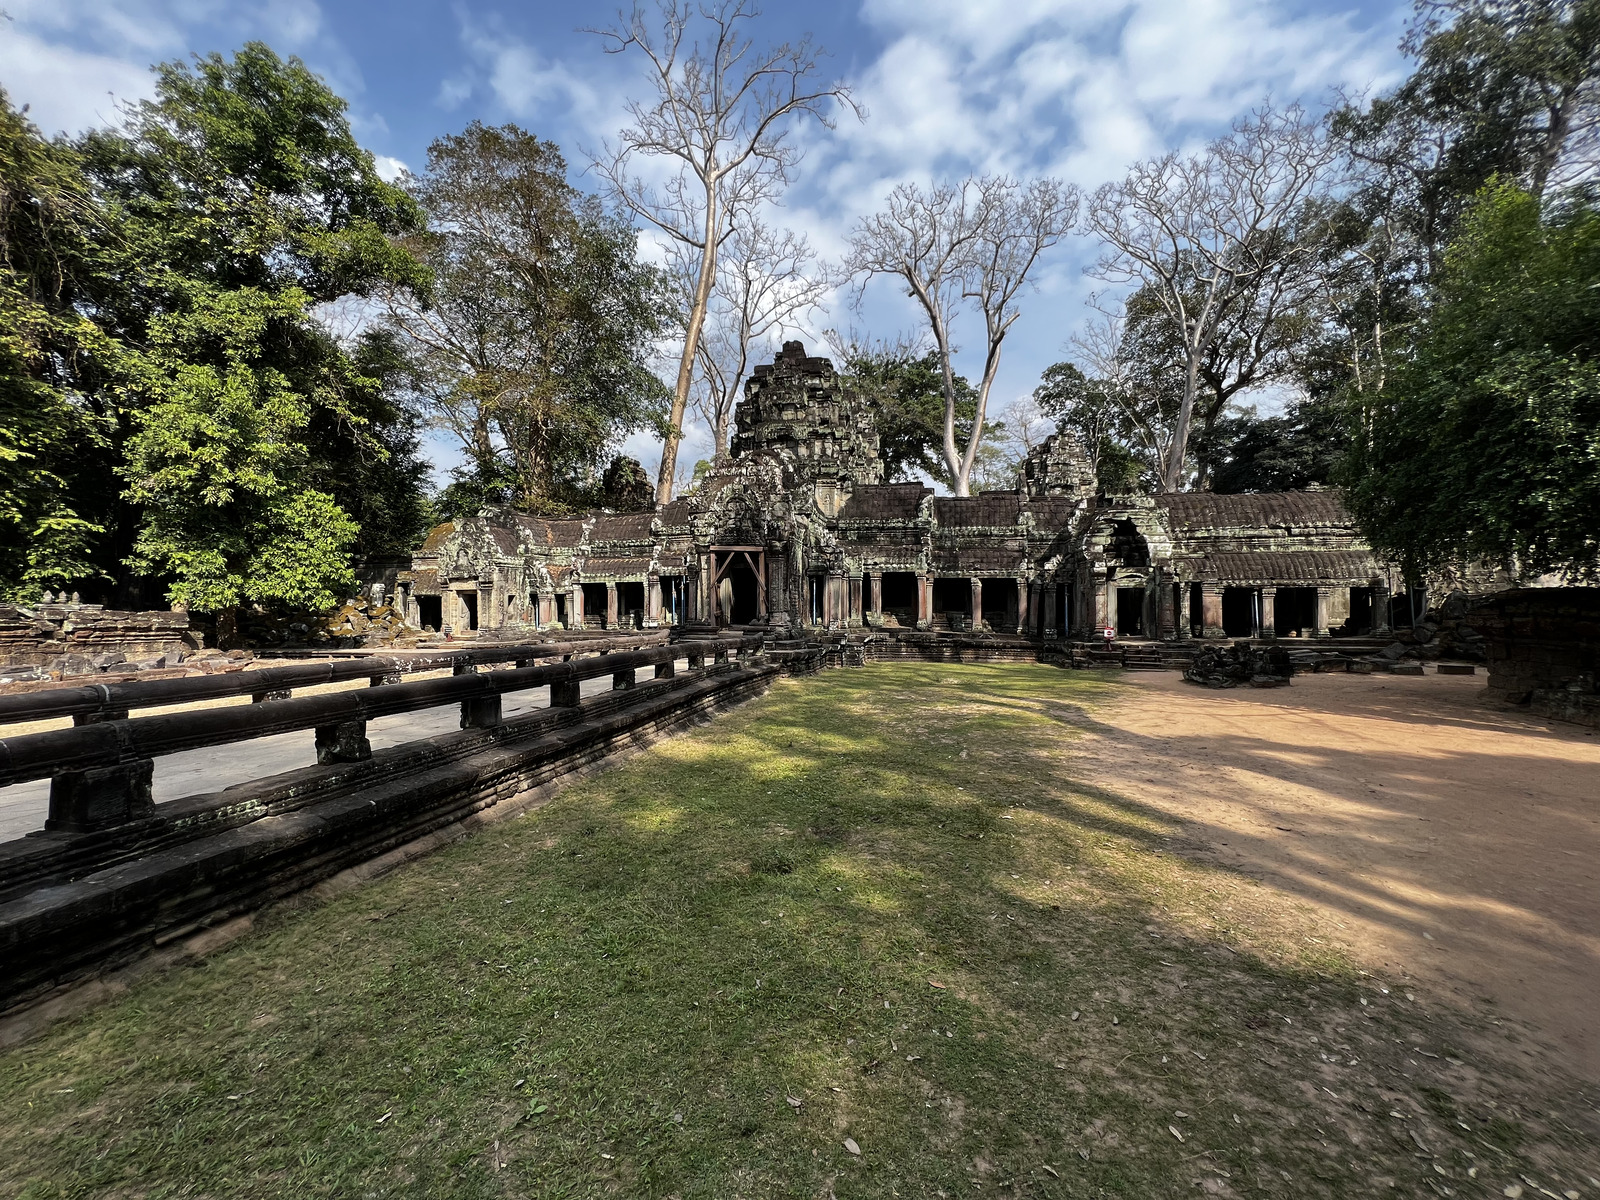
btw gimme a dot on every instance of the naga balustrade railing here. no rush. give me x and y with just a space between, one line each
100 772
96 702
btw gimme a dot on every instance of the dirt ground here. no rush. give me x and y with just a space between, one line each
1433 837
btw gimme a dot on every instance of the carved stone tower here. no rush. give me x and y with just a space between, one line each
1058 466
820 430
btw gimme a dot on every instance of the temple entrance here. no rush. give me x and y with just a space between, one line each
630 605
900 596
1295 611
1130 612
429 614
561 609
952 596
594 605
469 606
1239 612
739 589
999 595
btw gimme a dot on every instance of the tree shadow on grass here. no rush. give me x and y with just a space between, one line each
699 974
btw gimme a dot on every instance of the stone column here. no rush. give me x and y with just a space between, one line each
575 606
652 601
1166 620
1211 610
1100 590
977 603
1185 625
777 586
1052 612
875 592
856 598
1319 624
924 601
838 613
488 618
1269 612
1380 606
611 606
1023 588
546 614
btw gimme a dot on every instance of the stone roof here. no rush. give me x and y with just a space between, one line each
1051 514
436 537
1191 512
622 527
547 531
676 513
1288 567
884 502
969 512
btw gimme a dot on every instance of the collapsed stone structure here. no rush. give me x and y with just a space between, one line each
796 530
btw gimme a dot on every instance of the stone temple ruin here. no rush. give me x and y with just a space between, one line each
795 532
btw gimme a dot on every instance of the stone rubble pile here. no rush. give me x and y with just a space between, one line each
1442 632
1233 664
362 621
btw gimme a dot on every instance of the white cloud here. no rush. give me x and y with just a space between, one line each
389 169
65 89
74 60
532 87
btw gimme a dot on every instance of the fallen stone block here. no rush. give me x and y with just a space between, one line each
1406 668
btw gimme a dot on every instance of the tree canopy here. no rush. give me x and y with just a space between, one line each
1486 443
531 341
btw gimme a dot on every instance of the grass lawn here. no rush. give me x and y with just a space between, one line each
875 934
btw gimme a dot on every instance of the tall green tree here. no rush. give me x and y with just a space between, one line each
532 343
1485 445
238 201
907 391
52 435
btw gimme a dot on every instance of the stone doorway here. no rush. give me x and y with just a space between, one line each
739 584
1130 612
900 596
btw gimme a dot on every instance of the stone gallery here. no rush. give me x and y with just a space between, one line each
795 530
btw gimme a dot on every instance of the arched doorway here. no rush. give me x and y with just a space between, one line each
739 588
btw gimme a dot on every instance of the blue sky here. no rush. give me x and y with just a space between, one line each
1075 89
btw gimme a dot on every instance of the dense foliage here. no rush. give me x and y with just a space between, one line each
530 346
180 419
1486 443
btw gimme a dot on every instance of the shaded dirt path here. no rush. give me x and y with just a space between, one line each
1440 839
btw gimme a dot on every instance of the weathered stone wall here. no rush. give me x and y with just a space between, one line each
80 639
1544 650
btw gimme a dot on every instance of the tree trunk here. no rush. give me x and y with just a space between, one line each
1172 469
691 347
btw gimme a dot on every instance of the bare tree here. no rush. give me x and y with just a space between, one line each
720 117
1206 237
955 246
765 279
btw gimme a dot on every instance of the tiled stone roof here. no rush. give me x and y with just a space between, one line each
616 527
1289 567
969 512
544 531
1191 512
884 502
